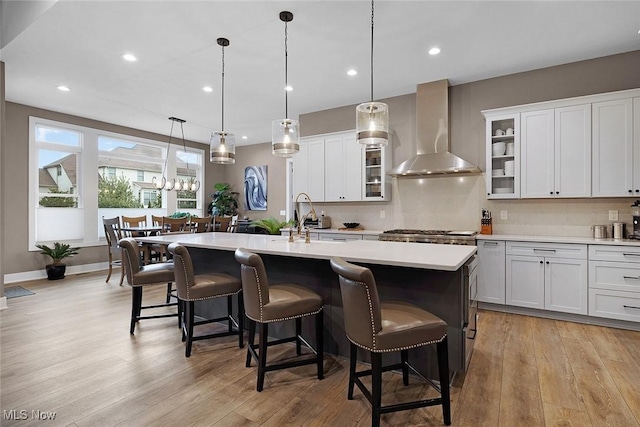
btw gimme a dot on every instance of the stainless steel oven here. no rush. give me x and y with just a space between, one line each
470 306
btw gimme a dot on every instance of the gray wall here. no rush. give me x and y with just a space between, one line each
2 180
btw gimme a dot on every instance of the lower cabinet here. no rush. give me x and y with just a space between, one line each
338 237
491 271
547 276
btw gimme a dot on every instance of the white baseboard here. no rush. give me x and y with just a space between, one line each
42 274
3 303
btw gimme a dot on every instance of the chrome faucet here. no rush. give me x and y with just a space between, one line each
311 212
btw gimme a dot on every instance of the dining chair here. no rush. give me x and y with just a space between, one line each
201 225
221 223
113 236
233 225
174 225
134 221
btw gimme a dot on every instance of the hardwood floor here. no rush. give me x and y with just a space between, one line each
67 350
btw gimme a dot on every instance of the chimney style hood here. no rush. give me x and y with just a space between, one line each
432 120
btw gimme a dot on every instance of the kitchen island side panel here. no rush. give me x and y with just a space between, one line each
439 292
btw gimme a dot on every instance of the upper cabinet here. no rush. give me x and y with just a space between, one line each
587 146
613 150
335 168
556 152
503 156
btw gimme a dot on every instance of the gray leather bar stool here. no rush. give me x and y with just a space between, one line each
388 327
201 287
265 304
139 276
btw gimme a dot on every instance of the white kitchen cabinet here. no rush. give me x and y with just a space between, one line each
556 152
342 168
376 185
308 168
613 149
547 276
614 282
491 271
339 237
636 146
503 183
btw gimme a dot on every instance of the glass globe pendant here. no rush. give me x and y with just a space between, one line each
223 144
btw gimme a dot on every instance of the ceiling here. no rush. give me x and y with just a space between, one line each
79 44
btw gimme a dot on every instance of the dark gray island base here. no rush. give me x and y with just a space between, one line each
440 292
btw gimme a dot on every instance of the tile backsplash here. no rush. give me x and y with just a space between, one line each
456 203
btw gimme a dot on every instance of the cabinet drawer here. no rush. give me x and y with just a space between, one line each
548 250
614 304
619 276
614 253
339 237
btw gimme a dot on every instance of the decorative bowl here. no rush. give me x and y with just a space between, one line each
351 224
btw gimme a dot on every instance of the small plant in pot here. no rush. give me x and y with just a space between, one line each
60 251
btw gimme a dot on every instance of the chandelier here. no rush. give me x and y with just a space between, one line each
174 184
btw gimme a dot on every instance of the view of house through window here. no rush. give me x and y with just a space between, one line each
95 174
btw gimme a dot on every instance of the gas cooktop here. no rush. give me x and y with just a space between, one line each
429 236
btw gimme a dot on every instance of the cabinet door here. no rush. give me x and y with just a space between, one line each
612 148
636 146
537 154
301 170
334 167
316 170
525 281
491 271
572 160
503 167
566 285
352 168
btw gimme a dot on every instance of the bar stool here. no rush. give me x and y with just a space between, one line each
139 276
201 287
388 327
266 304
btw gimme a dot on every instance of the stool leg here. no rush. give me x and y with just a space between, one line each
169 286
298 333
376 388
353 353
240 320
183 317
262 356
404 355
136 301
443 372
320 343
180 309
189 318
229 312
252 335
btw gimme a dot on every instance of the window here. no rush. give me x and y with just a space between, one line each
70 200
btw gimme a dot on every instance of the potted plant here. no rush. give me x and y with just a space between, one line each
225 200
60 251
271 225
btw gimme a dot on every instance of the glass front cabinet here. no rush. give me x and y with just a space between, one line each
376 184
503 156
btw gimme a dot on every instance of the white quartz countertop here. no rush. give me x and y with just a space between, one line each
340 231
558 239
415 255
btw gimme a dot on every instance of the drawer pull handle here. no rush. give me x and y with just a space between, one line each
543 250
626 254
490 243
630 306
631 277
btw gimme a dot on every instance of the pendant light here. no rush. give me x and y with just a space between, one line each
193 184
223 144
285 135
372 118
172 184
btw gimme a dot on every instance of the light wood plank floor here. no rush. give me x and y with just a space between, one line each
67 350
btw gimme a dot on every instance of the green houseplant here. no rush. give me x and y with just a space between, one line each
271 225
225 200
58 252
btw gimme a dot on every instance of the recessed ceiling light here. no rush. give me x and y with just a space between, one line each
352 72
245 137
434 51
288 88
64 88
129 57
207 89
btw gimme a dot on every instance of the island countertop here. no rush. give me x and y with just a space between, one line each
414 255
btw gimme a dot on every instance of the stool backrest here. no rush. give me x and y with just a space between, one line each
130 258
362 317
255 286
183 269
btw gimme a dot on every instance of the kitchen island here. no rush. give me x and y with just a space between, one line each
430 276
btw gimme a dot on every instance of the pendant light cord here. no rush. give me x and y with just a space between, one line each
286 73
222 89
371 50
168 148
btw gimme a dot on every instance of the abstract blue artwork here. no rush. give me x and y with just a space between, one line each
255 188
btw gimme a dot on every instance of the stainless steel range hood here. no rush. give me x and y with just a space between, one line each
432 120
